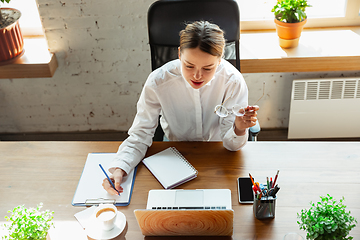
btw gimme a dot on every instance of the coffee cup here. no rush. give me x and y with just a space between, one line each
105 214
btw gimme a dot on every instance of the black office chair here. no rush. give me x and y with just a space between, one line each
166 18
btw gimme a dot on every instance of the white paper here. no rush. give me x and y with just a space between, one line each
90 183
84 217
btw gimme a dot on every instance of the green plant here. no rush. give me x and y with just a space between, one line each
3 1
290 11
327 220
28 223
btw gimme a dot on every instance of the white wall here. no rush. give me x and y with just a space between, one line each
275 105
104 59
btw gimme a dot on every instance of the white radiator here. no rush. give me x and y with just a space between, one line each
325 108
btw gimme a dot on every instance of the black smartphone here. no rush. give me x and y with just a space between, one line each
246 194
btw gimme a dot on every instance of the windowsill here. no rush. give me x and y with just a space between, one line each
320 49
325 49
37 61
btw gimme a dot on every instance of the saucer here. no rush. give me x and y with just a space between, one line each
94 231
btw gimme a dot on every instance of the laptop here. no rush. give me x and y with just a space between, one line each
179 212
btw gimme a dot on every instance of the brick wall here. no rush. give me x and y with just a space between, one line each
104 59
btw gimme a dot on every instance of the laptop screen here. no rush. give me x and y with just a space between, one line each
189 199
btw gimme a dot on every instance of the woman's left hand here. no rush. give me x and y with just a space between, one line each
246 121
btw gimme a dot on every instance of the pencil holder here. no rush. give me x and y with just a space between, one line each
264 207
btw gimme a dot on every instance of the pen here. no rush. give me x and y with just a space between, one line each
252 180
268 184
276 176
258 186
112 184
276 189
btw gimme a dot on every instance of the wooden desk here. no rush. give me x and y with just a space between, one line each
48 172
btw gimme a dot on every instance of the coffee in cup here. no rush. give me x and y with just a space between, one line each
106 216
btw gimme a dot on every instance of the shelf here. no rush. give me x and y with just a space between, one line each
328 49
37 62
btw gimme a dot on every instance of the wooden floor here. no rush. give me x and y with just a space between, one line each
264 135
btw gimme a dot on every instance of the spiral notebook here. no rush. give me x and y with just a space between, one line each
170 168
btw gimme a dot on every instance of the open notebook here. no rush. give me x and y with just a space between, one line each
201 212
170 168
90 191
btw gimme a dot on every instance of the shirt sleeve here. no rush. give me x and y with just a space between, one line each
134 148
231 141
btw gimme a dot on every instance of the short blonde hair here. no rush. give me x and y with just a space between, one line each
207 36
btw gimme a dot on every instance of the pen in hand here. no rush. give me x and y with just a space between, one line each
112 184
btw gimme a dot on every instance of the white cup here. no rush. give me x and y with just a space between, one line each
105 214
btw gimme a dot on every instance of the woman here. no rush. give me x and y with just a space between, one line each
190 93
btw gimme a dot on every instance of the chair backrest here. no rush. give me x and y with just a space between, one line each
166 18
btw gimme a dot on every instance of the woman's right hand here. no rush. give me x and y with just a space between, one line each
247 120
116 178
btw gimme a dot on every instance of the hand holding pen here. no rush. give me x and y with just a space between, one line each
108 183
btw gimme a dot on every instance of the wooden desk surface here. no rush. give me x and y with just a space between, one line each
48 172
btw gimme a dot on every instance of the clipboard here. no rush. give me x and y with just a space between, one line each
89 190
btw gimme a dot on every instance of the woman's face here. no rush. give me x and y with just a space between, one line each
198 67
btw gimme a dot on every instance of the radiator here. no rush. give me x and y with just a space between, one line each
325 108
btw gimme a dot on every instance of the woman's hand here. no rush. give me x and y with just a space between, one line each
246 121
116 178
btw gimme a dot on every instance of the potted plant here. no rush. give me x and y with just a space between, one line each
28 223
290 18
11 39
326 220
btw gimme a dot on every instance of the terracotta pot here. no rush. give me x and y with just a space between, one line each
11 39
288 43
289 30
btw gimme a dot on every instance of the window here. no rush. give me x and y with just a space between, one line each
30 20
256 14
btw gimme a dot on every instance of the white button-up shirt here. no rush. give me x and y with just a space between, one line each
187 114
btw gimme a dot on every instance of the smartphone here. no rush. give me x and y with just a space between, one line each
246 194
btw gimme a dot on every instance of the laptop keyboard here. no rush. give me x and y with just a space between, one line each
215 208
